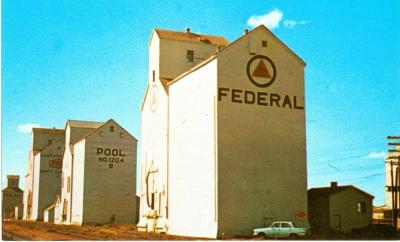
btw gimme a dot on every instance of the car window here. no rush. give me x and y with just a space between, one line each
276 225
286 225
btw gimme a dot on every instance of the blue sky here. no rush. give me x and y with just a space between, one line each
87 60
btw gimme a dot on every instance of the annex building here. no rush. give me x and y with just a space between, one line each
223 135
43 179
12 198
98 175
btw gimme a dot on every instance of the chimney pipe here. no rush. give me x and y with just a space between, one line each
334 184
246 31
187 30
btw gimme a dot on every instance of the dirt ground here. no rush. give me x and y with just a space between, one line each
27 230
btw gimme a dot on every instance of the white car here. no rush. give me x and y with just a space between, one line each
280 229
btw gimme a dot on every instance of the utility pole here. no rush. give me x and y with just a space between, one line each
394 160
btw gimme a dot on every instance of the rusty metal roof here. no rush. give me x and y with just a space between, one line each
191 37
327 191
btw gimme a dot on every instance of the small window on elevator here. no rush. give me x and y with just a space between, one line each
190 55
69 184
264 44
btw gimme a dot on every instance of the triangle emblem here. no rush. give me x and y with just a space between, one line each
261 70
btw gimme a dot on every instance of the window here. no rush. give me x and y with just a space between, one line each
152 200
361 207
286 225
276 225
111 128
154 75
190 55
264 43
69 184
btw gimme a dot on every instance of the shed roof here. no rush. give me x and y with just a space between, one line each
327 191
52 206
191 37
84 124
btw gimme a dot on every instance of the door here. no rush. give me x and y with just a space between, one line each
275 229
65 210
337 222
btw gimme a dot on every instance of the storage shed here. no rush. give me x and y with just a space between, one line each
49 214
339 208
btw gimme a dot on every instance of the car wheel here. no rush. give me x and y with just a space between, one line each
293 236
262 236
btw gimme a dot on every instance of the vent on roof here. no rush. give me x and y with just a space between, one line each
246 31
187 30
333 184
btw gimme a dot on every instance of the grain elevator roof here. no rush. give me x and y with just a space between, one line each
84 124
191 37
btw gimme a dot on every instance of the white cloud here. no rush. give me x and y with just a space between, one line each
270 19
376 155
27 128
290 23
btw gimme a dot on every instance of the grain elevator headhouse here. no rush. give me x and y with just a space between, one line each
223 135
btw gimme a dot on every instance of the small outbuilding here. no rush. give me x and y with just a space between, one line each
11 197
339 208
49 214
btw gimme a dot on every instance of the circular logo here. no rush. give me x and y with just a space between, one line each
261 71
154 98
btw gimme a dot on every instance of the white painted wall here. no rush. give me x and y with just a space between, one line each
78 184
72 135
193 154
154 154
66 172
154 58
262 166
173 60
28 185
50 176
36 188
109 193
